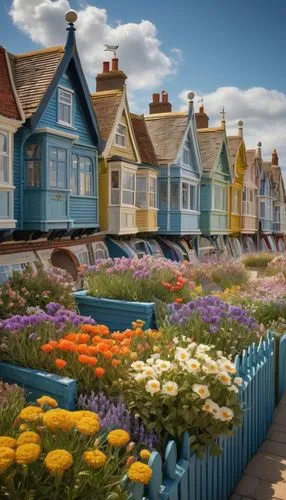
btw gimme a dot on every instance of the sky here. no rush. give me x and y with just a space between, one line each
230 53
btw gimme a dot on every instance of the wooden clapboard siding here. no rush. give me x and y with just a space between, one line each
127 152
103 194
83 211
146 220
17 166
239 168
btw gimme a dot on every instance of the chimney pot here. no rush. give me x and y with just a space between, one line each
105 66
160 107
275 160
164 96
156 98
202 119
114 64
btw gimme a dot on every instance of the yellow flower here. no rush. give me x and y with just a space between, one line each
88 426
7 457
23 427
140 473
46 400
28 437
27 453
118 438
95 458
58 461
58 420
76 415
7 442
31 413
145 454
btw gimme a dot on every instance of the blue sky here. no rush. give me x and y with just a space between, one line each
222 43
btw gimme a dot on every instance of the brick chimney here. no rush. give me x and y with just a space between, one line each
110 79
275 160
157 106
202 119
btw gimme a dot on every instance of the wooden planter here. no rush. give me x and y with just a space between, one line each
37 383
116 314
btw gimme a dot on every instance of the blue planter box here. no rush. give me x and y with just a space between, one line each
37 383
116 314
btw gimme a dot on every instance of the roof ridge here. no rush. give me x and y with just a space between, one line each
170 114
210 129
56 48
106 93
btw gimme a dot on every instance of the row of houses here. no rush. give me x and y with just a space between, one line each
82 177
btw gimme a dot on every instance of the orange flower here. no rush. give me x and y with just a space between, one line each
60 363
72 337
54 344
66 345
179 300
82 349
99 372
108 354
115 362
82 358
91 361
46 348
92 349
83 338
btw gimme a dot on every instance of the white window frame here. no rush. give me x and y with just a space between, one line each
223 189
148 193
129 172
71 93
118 190
190 186
235 206
153 177
6 155
120 134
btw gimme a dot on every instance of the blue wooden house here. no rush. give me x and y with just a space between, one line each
56 151
176 146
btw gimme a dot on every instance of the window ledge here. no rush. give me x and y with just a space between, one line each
66 125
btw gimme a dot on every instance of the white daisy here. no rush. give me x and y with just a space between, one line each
192 365
238 380
233 388
210 367
170 388
226 414
201 390
149 372
138 366
153 386
182 354
224 378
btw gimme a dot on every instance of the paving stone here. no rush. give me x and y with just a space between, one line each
283 400
270 468
280 415
277 427
279 437
273 448
270 491
247 485
235 497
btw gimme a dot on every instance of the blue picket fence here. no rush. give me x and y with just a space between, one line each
183 476
281 368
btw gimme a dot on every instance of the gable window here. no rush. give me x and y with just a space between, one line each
33 165
57 167
120 135
82 176
115 187
4 158
219 198
65 107
128 188
187 152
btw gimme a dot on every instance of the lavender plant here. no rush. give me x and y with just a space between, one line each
114 414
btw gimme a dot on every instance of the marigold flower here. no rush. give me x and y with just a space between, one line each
58 420
27 453
83 338
58 461
140 473
99 372
145 454
88 425
7 442
46 348
46 400
31 413
118 438
28 437
7 457
115 362
95 458
60 363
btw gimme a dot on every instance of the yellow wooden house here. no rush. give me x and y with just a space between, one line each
237 153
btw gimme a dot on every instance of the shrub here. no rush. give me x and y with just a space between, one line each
188 387
32 288
143 280
209 320
12 400
260 259
278 265
224 275
63 454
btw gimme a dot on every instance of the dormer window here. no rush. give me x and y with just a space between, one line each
187 155
65 107
120 136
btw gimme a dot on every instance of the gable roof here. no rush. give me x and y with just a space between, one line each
210 142
9 107
250 156
33 73
233 143
106 105
145 145
276 173
167 131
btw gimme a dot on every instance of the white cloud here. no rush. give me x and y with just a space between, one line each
140 53
263 112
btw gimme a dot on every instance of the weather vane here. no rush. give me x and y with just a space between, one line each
222 113
111 48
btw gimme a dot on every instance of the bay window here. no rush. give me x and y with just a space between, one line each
189 199
4 157
82 176
65 107
128 188
163 195
57 167
219 197
152 192
146 191
115 187
174 202
33 165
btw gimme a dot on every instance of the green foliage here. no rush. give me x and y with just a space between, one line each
32 288
12 400
260 259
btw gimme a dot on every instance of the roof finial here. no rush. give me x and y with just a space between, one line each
222 118
111 48
71 17
190 97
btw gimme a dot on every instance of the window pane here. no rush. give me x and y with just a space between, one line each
61 174
74 175
128 197
3 168
115 179
115 197
128 180
61 154
33 151
141 184
65 96
53 173
185 196
174 196
3 142
163 195
193 201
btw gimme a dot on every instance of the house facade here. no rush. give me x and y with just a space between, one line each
250 199
55 160
174 138
279 206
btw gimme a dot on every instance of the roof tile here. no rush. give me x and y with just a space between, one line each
144 143
8 104
167 131
106 104
210 141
